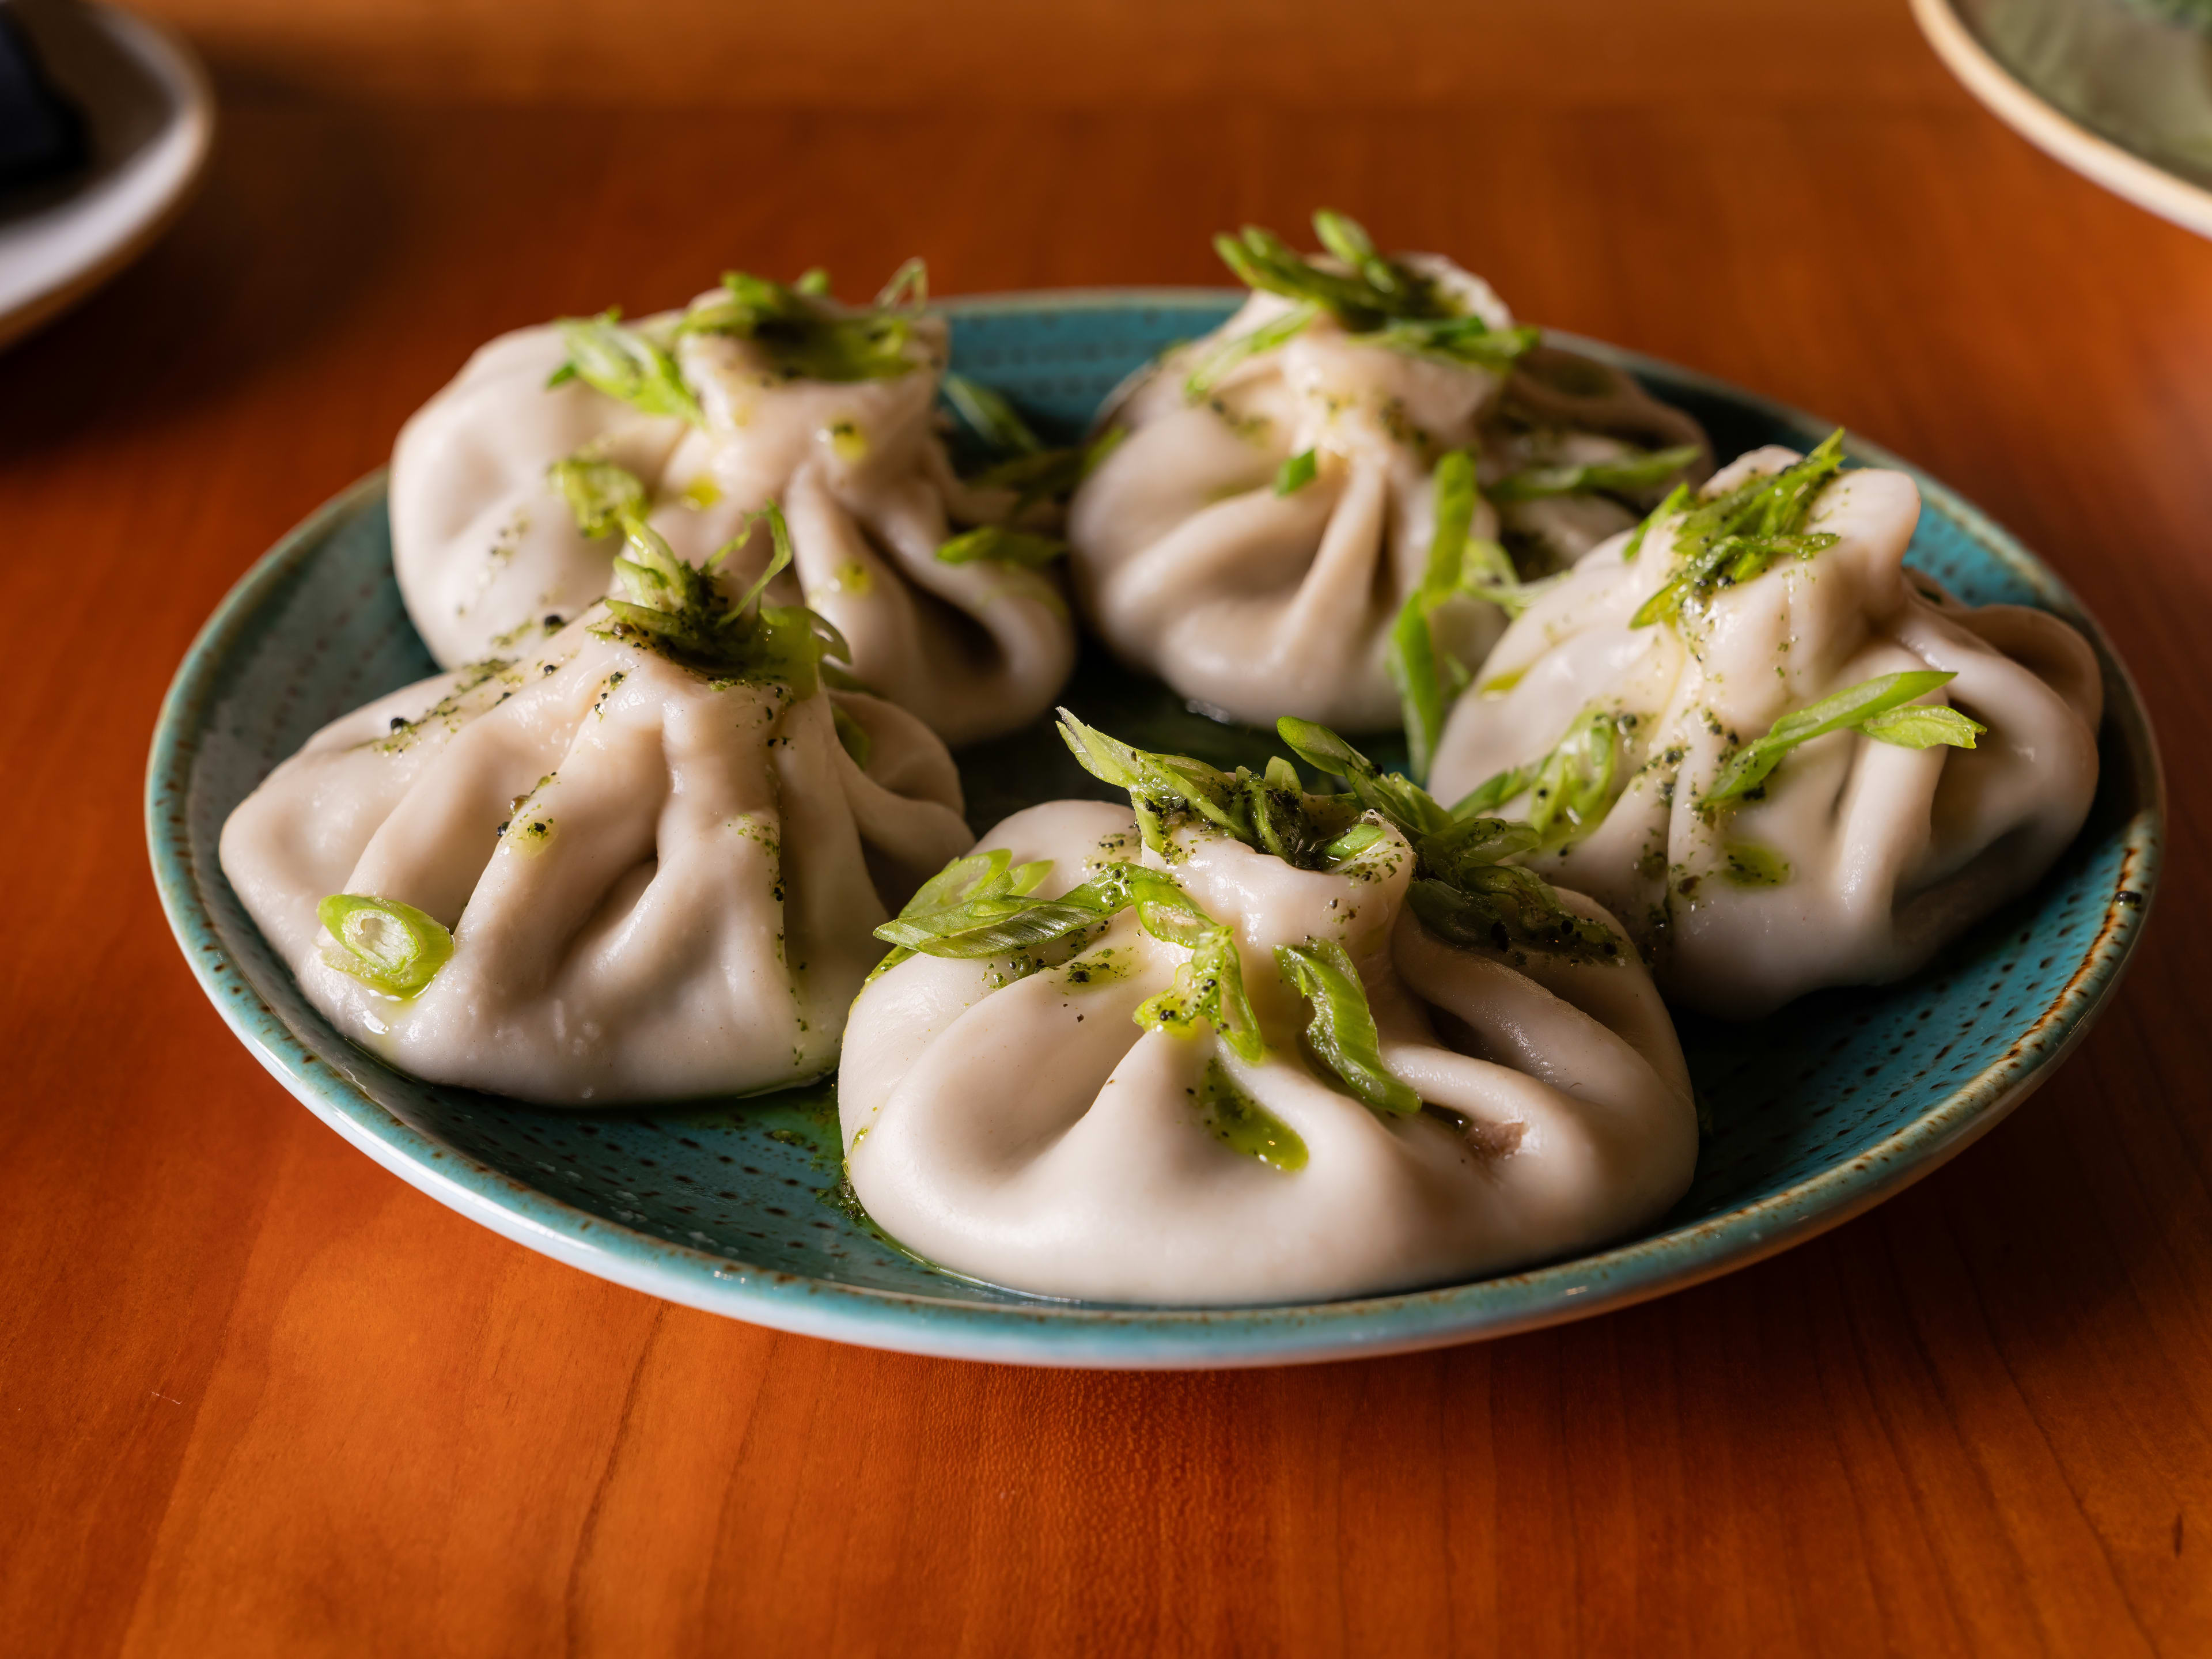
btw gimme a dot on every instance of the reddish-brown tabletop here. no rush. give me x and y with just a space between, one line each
258 1396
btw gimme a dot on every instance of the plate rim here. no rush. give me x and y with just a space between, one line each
2134 177
1144 1338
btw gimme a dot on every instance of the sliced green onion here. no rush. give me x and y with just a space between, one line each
1869 706
994 543
806 337
1571 789
1463 342
1296 473
1210 985
1353 842
388 945
979 906
1923 728
600 494
624 364
1627 474
1675 498
1227 354
1424 691
1734 538
1342 1030
1505 908
990 416
1410 807
908 288
851 736
661 602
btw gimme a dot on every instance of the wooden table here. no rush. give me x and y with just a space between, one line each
257 1396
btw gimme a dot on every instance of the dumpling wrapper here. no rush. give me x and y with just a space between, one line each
660 887
1256 604
1562 409
1022 1129
1890 851
483 542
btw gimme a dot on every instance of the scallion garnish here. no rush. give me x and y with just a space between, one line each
1628 474
908 290
599 493
1462 890
1342 1031
990 416
1733 538
851 736
1270 811
1024 465
1430 680
978 906
388 945
1210 984
994 543
682 612
1369 293
1676 499
1048 474
1381 299
1296 473
808 337
625 363
1225 355
1875 707
1570 790
1464 342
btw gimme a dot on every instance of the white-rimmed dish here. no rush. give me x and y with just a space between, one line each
150 114
2119 94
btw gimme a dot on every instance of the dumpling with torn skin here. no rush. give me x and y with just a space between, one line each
1248 1044
510 489
641 861
1270 505
1782 758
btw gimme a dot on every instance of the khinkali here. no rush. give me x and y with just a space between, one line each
1782 758
641 860
1575 451
1271 507
507 491
1253 1045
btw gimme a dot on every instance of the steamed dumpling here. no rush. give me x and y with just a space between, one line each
712 413
1575 451
1098 1114
622 865
1270 507
1750 749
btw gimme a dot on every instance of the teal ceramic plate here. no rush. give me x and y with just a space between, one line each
1817 1113
2119 90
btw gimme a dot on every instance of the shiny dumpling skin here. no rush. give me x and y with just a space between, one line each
1255 605
1022 1129
681 904
1891 851
482 542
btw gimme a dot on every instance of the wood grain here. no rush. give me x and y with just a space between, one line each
258 1397
967 54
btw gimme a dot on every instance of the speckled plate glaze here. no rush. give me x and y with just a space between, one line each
736 1206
